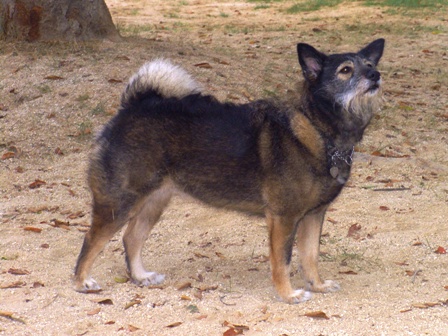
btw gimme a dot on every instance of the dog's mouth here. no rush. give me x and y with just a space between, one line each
373 88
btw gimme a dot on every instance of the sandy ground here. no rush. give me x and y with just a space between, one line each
384 238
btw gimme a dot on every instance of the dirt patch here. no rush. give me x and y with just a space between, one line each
383 238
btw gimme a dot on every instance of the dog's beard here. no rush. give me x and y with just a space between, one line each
363 102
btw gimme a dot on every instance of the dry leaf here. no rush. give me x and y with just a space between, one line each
440 250
353 230
113 80
185 298
77 214
94 311
37 284
132 303
220 255
412 273
317 315
60 224
425 305
123 58
37 184
32 229
53 77
205 288
384 208
261 258
104 301
16 284
8 155
232 332
199 255
348 272
132 328
16 271
239 328
203 65
173 325
183 285
58 151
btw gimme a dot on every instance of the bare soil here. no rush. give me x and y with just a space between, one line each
384 238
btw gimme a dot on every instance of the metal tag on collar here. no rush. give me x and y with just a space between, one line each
334 171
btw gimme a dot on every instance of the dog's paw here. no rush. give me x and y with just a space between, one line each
298 296
89 285
149 279
328 286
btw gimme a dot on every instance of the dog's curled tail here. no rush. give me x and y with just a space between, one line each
159 77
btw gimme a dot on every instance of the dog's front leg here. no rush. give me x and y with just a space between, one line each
282 231
308 241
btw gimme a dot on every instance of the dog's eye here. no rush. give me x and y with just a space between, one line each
369 65
346 70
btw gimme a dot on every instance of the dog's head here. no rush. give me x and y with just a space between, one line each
346 87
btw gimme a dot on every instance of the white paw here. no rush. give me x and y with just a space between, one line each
300 295
148 279
89 285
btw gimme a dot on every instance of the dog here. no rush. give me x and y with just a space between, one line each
285 159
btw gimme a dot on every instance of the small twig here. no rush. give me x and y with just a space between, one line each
392 189
415 275
9 315
222 297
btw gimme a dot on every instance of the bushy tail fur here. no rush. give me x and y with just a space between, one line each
160 77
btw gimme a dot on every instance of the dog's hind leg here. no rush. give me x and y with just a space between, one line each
137 232
106 221
308 240
281 234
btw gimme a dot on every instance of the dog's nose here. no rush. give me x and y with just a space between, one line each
373 75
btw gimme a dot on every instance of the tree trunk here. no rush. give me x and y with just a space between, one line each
51 20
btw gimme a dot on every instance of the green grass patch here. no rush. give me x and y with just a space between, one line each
43 89
410 4
83 98
264 1
312 5
133 29
99 109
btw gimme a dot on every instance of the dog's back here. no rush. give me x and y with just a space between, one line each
205 148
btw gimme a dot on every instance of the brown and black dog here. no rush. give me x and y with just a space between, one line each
286 160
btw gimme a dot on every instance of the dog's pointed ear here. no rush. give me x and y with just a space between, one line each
310 60
373 51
